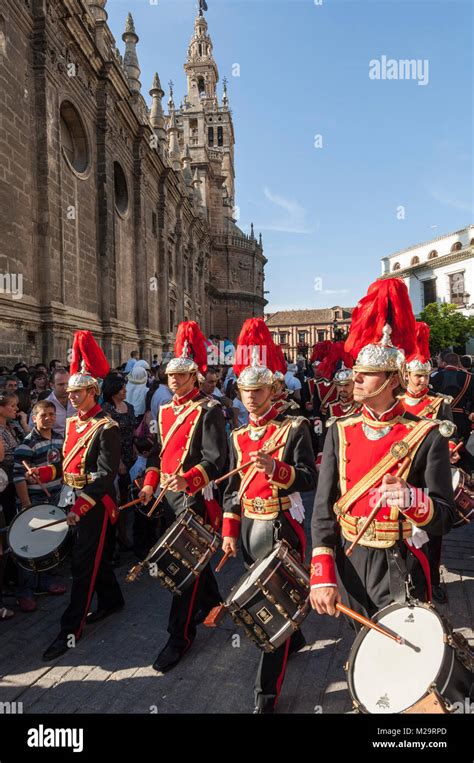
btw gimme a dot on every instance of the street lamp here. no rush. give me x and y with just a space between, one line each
334 328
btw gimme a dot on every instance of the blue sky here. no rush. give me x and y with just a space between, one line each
328 214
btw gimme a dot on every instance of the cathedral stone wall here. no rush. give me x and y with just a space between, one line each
100 226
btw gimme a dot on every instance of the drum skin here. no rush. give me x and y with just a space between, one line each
42 550
182 552
399 679
272 599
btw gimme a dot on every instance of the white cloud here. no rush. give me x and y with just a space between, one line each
293 219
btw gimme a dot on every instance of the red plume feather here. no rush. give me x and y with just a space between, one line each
255 333
386 301
189 331
422 340
336 353
86 348
320 350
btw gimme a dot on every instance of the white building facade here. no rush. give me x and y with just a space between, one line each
440 270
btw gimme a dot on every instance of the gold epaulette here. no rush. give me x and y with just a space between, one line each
110 423
448 399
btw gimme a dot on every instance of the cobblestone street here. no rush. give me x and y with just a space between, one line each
110 670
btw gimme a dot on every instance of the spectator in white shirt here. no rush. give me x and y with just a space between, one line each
292 383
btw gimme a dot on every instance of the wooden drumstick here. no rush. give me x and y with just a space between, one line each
50 524
37 479
457 447
374 511
223 561
160 496
244 466
368 623
130 503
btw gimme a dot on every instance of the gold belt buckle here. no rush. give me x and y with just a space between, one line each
258 505
370 533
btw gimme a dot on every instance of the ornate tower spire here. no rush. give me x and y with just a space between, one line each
157 118
130 60
173 143
201 69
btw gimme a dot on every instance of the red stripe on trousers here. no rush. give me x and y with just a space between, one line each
283 669
193 598
97 560
298 528
422 558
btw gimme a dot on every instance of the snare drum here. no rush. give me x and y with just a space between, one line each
386 677
44 549
463 488
272 599
182 552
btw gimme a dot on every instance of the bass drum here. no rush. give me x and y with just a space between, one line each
43 549
386 677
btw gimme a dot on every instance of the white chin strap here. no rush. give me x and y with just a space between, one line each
377 391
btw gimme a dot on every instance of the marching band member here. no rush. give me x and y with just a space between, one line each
257 503
190 452
418 400
91 457
362 453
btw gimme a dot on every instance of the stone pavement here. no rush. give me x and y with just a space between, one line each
109 671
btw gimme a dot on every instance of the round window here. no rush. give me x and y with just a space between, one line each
73 138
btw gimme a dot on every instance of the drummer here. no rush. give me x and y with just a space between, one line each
41 450
262 504
421 401
361 455
190 452
91 457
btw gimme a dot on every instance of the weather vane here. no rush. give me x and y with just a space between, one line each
202 6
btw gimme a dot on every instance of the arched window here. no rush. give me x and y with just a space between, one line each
396 266
3 38
120 189
415 261
432 254
201 85
220 136
456 247
210 136
73 138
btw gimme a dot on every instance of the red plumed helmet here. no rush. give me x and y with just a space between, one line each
189 349
387 302
85 350
420 359
256 342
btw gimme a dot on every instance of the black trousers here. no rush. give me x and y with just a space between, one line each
434 557
373 578
259 537
92 570
203 594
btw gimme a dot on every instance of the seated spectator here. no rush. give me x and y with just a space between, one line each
41 450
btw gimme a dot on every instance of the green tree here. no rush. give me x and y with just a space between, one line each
448 326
